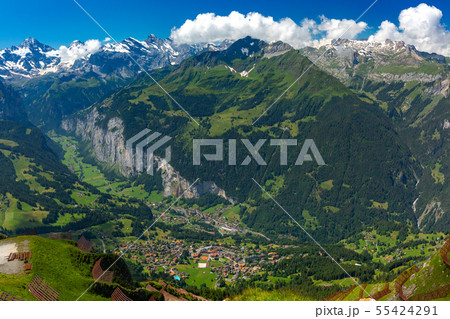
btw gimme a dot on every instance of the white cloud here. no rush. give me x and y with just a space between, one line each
330 29
336 28
78 50
208 27
420 26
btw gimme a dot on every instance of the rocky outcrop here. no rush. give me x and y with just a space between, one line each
446 124
108 146
175 184
276 49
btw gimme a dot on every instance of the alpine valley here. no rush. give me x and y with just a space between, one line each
378 113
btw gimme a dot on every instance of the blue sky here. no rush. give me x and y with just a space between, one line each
60 22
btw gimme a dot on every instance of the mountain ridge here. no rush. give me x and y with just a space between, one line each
412 88
226 102
54 83
32 58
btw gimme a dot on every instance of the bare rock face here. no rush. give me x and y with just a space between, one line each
275 49
108 145
174 184
431 214
446 124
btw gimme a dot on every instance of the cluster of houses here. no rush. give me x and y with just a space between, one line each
233 262
153 255
227 262
214 218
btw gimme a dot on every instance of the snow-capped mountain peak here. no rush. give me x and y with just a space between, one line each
34 45
26 60
32 58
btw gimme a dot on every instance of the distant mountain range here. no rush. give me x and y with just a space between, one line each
387 100
53 85
370 176
33 59
356 62
379 114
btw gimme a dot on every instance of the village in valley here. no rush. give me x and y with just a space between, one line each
210 262
218 256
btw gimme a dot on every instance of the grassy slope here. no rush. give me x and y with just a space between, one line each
275 295
35 181
381 243
198 276
11 216
55 262
432 275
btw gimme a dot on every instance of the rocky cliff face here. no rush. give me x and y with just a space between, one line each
432 213
108 145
